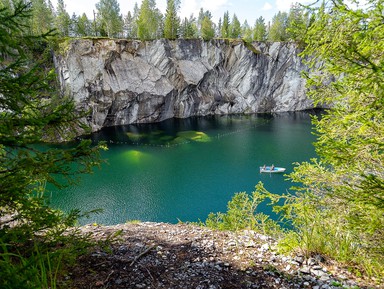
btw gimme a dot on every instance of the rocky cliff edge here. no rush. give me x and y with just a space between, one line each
128 81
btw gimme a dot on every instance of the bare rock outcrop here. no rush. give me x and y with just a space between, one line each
129 81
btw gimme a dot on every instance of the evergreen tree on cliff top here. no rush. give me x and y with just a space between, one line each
188 29
31 111
62 20
277 30
340 208
225 27
260 30
42 16
235 27
109 19
149 21
207 29
172 21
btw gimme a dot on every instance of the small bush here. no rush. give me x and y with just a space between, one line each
242 214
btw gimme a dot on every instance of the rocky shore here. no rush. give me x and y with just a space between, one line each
159 255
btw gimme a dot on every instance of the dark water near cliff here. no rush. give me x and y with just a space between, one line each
186 168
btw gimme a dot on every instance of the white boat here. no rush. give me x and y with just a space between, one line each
271 170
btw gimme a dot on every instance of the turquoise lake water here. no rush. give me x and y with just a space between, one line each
183 169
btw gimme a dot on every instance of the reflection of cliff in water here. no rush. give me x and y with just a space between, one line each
176 131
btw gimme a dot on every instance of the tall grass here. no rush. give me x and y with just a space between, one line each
35 269
314 228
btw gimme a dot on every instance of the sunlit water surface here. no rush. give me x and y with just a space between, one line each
183 169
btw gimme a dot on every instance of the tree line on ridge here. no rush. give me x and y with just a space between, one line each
146 22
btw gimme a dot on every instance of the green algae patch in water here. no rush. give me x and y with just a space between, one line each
135 156
135 136
197 136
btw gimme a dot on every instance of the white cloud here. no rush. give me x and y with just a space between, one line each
267 6
188 7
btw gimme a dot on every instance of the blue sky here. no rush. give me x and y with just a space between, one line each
244 9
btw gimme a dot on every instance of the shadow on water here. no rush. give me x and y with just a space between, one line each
183 169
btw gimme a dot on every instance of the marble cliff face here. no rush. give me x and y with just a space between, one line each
128 81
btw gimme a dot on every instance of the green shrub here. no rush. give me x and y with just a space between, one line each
242 214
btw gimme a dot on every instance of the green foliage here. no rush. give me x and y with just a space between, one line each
62 19
339 210
110 22
31 112
242 214
82 26
34 271
149 22
260 30
246 32
277 31
188 29
41 263
128 26
297 23
207 29
172 21
42 17
235 27
225 26
130 22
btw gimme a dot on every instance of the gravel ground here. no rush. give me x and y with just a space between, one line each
159 255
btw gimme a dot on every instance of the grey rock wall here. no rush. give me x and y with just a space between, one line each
128 81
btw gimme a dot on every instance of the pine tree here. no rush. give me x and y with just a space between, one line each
189 28
235 27
7 4
135 19
73 27
172 21
218 28
207 29
260 30
62 20
31 111
42 19
83 26
149 22
246 32
297 23
109 18
200 19
225 26
277 30
127 26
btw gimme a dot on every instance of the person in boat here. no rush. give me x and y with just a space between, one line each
272 167
264 167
